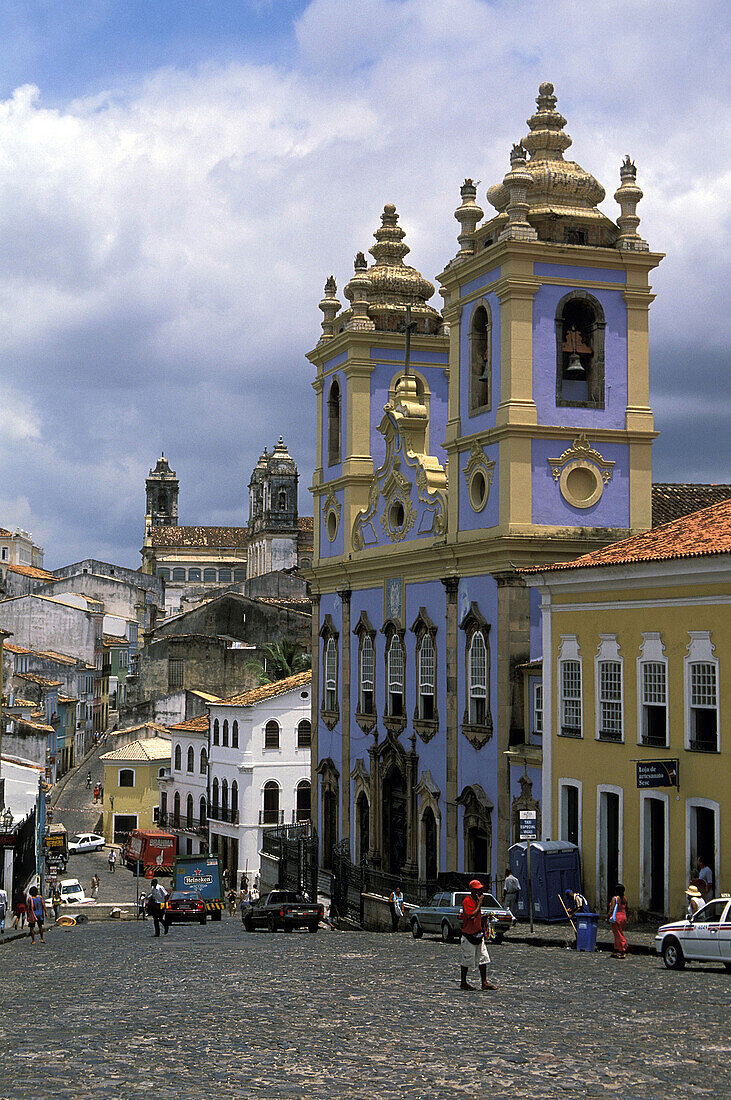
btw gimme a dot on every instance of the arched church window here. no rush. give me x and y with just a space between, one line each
282 500
331 683
333 424
164 574
580 328
178 574
480 345
194 574
396 677
367 674
224 576
478 679
209 575
427 663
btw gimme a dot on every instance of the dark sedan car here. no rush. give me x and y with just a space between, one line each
184 905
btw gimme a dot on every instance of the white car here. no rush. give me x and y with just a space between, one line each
72 892
705 938
86 842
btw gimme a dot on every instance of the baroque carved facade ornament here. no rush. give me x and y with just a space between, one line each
581 473
479 473
331 509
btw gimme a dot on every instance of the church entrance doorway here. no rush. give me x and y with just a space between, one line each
394 821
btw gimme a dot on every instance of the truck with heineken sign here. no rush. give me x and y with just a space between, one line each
205 874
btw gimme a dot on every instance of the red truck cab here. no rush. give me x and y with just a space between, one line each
153 851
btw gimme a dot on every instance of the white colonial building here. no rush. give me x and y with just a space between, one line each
184 786
259 768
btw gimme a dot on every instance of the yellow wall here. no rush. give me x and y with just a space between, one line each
140 799
594 763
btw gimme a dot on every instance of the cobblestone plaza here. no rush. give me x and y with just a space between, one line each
105 1010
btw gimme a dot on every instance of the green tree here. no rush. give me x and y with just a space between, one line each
280 660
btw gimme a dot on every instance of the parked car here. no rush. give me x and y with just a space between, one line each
86 842
72 892
705 938
182 906
283 909
441 916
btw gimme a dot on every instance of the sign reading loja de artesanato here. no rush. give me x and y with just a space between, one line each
658 773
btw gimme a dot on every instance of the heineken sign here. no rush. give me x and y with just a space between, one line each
658 773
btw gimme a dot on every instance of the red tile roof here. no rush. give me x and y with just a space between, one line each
672 501
701 534
231 538
198 725
269 691
42 681
9 647
32 571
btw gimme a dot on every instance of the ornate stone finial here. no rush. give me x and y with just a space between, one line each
357 291
517 182
628 194
468 215
330 307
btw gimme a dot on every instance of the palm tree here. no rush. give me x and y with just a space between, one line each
280 660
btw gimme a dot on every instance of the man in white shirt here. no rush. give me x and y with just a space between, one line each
158 895
705 874
511 889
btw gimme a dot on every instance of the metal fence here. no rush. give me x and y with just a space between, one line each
294 847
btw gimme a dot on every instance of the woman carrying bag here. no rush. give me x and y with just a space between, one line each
617 917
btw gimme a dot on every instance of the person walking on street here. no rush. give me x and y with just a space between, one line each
112 860
396 905
3 910
20 914
157 896
56 901
36 913
95 887
472 950
96 794
511 889
574 903
705 874
617 917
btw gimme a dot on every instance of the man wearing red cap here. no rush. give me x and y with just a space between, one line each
472 948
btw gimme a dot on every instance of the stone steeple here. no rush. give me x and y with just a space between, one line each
162 488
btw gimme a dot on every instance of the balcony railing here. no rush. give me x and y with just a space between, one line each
223 813
570 731
655 740
706 744
610 735
271 817
301 815
182 823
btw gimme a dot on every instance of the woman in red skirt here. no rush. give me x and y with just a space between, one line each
617 917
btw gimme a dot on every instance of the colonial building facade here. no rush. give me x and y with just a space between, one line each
517 432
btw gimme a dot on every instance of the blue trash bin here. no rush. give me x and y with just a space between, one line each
587 926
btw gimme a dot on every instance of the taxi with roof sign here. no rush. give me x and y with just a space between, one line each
705 937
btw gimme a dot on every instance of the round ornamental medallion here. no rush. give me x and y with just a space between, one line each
581 483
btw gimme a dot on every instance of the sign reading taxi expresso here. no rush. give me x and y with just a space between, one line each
658 773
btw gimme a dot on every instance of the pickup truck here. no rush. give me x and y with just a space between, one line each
282 909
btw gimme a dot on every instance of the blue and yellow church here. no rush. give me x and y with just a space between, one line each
455 447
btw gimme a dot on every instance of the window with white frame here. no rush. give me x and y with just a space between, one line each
538 708
701 694
331 669
654 702
367 672
571 698
396 677
427 662
478 680
610 700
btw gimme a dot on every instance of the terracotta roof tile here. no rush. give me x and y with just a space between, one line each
67 699
698 535
59 658
152 749
197 725
10 648
306 523
672 501
228 537
5 534
35 725
42 681
32 571
156 726
269 691
112 639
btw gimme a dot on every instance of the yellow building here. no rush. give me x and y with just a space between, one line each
131 792
636 689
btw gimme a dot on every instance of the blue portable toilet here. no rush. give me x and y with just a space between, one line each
555 866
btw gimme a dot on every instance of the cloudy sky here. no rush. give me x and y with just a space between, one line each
177 179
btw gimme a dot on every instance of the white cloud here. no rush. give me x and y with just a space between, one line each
163 247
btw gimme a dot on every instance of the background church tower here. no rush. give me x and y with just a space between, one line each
162 489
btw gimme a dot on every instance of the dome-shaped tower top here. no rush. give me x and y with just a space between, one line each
390 285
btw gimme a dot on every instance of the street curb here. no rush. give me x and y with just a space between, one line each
545 941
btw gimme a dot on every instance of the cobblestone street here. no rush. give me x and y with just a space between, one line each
105 1009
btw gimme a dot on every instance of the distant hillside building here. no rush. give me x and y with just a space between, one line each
194 561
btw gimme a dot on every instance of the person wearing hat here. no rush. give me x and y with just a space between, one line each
574 903
695 901
472 947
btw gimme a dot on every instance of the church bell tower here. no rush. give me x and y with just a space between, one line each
162 489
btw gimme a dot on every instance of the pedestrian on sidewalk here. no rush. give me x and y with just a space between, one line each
705 875
695 901
56 900
574 903
157 897
511 889
96 794
95 887
617 917
472 950
37 913
20 914
3 910
396 905
112 861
